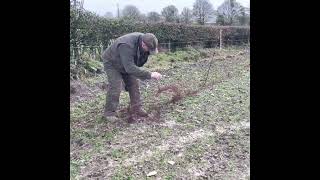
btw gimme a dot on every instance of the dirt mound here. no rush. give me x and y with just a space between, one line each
80 91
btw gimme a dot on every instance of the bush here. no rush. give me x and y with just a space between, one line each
90 29
85 66
189 54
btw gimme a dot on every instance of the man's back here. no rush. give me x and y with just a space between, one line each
124 54
112 52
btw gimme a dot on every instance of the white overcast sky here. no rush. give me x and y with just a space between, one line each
102 6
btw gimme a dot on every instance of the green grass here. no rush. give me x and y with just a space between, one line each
117 153
169 59
122 175
149 146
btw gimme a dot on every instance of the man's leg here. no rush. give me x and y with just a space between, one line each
132 85
114 90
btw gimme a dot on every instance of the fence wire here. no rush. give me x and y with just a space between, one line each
95 52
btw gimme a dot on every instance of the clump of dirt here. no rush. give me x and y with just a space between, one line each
155 109
80 91
77 90
171 88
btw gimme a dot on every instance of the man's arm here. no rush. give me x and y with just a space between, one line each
128 63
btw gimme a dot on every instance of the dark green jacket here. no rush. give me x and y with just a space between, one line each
126 55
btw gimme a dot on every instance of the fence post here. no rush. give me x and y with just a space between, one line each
220 39
169 46
73 57
80 49
94 53
101 48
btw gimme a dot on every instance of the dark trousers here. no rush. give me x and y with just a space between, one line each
115 79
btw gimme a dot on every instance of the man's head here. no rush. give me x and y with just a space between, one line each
150 43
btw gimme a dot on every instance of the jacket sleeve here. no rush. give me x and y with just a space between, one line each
127 60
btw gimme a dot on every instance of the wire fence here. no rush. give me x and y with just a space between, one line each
95 52
215 43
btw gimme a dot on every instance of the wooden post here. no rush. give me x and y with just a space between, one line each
169 46
74 51
94 53
79 51
73 57
220 39
101 48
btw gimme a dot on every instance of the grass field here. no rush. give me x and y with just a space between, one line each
202 136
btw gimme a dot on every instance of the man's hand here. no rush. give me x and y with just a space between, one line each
156 75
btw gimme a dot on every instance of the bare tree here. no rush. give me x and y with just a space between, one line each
186 15
229 10
243 17
153 17
202 10
170 13
131 12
